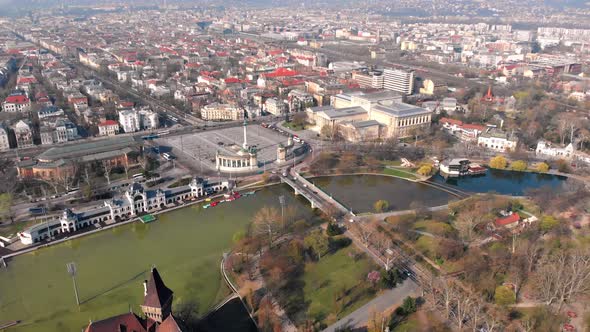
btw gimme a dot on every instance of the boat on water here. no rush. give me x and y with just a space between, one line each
208 199
228 198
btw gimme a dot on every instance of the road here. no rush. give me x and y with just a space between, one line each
390 298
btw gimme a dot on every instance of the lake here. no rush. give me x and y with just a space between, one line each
186 245
504 182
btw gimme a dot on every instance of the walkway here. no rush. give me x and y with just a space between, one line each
390 298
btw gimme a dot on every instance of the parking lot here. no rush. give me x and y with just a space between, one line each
200 148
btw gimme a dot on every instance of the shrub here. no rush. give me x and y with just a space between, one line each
498 162
504 296
548 223
542 168
519 165
333 229
381 205
425 170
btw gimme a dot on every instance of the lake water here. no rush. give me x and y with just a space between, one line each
360 192
504 182
186 245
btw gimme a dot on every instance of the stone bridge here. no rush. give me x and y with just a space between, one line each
316 196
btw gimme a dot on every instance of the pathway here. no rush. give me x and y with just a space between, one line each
390 298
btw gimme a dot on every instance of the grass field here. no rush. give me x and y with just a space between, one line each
335 273
399 173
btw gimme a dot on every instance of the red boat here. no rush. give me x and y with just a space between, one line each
214 203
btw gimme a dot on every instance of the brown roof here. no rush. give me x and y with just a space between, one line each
124 322
169 325
157 293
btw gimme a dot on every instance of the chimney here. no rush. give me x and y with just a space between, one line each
145 288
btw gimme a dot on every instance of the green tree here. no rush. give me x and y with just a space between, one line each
425 170
390 278
519 165
504 296
317 242
542 168
498 162
409 305
548 223
381 206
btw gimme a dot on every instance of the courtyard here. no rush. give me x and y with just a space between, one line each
199 149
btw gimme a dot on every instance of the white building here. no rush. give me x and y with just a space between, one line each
497 140
372 79
16 103
135 201
60 131
398 80
275 106
136 120
218 111
546 149
4 143
108 128
24 134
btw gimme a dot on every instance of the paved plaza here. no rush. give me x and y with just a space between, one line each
200 148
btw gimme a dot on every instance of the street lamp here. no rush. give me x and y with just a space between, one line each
71 267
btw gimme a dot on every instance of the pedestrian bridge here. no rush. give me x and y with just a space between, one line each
316 196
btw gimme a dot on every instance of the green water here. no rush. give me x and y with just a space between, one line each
185 245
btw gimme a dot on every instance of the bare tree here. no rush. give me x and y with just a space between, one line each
267 221
107 168
364 232
461 310
466 223
563 276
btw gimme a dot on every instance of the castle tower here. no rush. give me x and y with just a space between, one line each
157 301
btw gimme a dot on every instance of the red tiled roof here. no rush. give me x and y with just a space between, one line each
17 99
108 123
507 220
473 126
232 80
169 325
451 121
130 322
282 72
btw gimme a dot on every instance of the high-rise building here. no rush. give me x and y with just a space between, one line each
398 80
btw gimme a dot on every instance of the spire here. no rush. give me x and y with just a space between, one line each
489 94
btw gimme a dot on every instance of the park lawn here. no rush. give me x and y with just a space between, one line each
399 173
411 324
391 163
434 227
331 274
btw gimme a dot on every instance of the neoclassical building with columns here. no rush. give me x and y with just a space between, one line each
369 116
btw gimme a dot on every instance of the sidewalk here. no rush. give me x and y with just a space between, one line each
389 299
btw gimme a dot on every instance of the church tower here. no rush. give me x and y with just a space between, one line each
157 301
